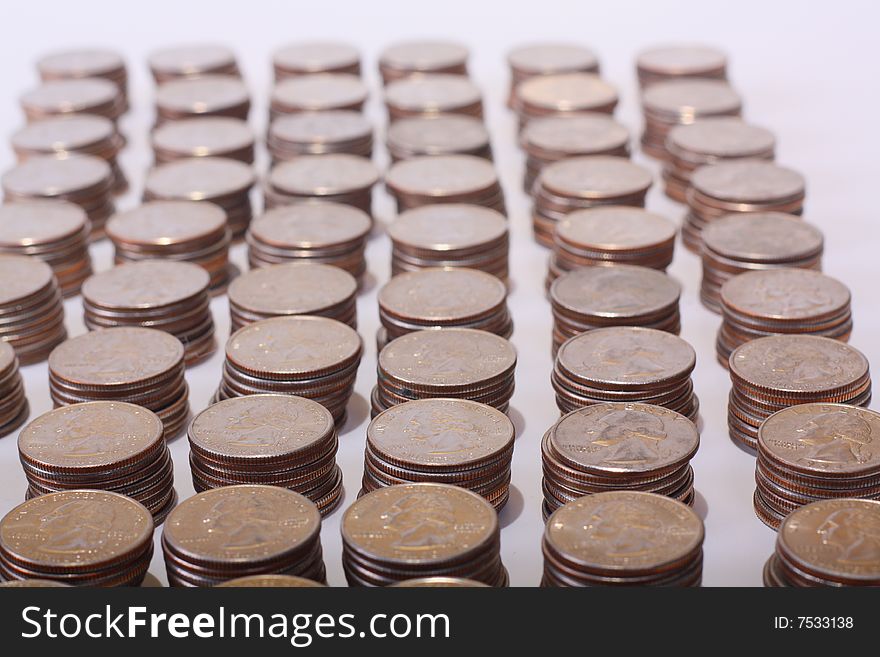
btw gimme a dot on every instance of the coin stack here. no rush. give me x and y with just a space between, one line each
451 134
56 232
772 301
31 584
85 63
79 134
563 95
212 95
320 133
585 182
674 62
820 544
209 136
443 298
445 179
31 309
773 373
458 363
682 102
609 447
311 57
421 530
755 241
279 440
553 138
437 582
192 61
537 59
450 235
612 235
66 97
14 408
85 180
623 538
337 177
296 288
433 95
79 537
161 294
221 181
135 365
626 364
709 141
623 295
312 357
408 58
317 93
739 186
814 452
100 445
448 441
175 230
314 232
234 531
270 582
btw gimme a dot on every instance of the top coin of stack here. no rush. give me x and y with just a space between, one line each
425 529
739 186
320 133
74 96
270 582
310 57
317 93
338 177
451 134
564 94
663 63
85 63
14 408
553 138
623 538
445 179
709 141
826 544
752 241
407 58
437 582
585 182
535 59
56 232
192 61
209 136
212 95
433 95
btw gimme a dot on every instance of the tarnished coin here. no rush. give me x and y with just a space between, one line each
439 582
763 237
597 177
31 584
437 296
271 582
614 292
147 284
785 295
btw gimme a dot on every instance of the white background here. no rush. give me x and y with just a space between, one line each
807 70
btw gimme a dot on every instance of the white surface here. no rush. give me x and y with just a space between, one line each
809 75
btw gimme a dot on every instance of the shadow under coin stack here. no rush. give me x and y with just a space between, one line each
537 59
103 445
80 537
192 61
626 364
814 452
14 408
762 240
68 97
805 556
312 357
773 373
774 301
433 95
674 62
581 542
563 95
278 440
442 298
596 297
435 179
310 57
221 181
447 441
320 133
458 363
323 92
293 289
184 231
31 308
735 187
407 58
383 536
85 180
613 235
314 232
135 365
450 235
211 95
553 138
85 63
203 544
337 177
577 183
210 136
160 294
608 447
56 232
450 134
